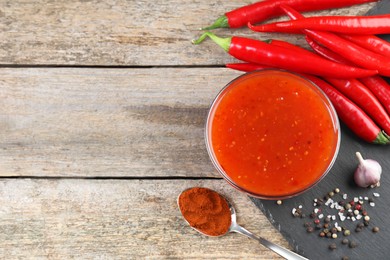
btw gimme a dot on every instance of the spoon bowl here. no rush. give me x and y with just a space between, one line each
235 227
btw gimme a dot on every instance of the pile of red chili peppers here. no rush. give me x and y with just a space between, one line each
347 60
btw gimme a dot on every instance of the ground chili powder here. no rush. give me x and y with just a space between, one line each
205 210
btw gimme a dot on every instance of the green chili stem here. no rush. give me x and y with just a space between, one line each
221 22
224 43
382 138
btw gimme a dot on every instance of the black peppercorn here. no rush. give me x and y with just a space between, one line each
358 229
310 229
345 241
375 229
361 225
332 246
352 244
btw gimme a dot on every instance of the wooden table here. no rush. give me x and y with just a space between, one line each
102 112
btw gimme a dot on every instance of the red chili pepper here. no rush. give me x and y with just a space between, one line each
376 24
380 88
371 42
352 116
262 10
325 52
246 66
376 84
353 52
255 51
364 98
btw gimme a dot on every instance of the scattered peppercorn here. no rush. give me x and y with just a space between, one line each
358 229
334 235
331 194
279 202
366 218
347 232
345 258
332 246
337 190
326 225
345 241
352 244
310 229
375 229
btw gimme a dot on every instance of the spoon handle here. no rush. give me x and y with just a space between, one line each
277 249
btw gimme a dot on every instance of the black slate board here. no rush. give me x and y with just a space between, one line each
370 245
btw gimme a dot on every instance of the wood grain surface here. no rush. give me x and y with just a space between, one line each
118 33
102 112
111 219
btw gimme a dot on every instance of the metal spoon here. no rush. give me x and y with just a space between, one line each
234 227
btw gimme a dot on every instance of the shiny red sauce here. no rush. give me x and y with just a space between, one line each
272 133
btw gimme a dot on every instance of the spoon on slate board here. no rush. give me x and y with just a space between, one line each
234 227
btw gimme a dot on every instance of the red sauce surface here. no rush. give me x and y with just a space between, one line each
273 134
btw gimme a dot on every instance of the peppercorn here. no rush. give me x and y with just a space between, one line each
337 190
366 223
358 229
313 215
326 230
360 225
317 221
347 206
310 229
358 207
326 225
322 234
307 224
345 241
334 230
342 203
352 244
367 218
347 232
332 246
334 235
375 229
327 220
279 202
318 227
328 235
331 194
345 258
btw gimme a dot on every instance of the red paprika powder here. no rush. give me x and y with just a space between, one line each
205 210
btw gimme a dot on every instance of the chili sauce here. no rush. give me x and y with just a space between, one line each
273 134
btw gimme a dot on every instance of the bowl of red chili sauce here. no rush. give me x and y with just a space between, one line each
272 134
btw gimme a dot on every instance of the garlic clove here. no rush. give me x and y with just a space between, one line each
368 172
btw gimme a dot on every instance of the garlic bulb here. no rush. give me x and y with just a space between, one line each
368 172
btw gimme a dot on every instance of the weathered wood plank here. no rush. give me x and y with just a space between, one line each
106 122
118 219
119 32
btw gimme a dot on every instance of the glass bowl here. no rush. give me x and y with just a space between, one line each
272 134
